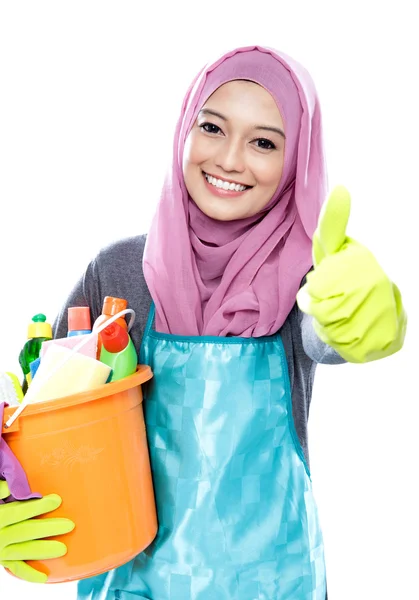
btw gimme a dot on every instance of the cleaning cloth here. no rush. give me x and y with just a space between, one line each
12 471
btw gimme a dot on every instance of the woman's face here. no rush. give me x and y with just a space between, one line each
234 154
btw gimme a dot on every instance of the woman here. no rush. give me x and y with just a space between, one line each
214 288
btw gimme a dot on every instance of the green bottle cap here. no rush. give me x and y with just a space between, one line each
39 318
39 328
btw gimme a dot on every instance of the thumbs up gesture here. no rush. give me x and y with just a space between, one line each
357 310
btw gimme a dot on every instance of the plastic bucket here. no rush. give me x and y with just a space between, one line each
91 449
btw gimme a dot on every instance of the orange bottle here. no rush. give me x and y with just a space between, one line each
111 306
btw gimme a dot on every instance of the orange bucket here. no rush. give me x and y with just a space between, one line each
91 449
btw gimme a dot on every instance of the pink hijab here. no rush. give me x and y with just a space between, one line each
239 278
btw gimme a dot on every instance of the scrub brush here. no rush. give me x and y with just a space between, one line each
10 389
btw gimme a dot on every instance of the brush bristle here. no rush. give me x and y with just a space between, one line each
8 391
16 385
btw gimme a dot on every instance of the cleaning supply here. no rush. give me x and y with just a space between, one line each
88 349
79 322
111 306
10 389
34 366
12 472
91 450
21 535
38 332
85 339
357 310
118 351
79 373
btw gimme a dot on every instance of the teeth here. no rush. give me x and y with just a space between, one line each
225 185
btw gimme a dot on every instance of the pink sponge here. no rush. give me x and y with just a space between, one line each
89 348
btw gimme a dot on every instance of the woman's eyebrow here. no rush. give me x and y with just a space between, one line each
274 129
214 113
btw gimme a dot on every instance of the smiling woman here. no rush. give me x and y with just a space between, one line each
233 352
227 157
232 342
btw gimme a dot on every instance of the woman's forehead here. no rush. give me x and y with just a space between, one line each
240 98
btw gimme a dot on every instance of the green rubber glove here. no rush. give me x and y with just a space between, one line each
357 310
20 534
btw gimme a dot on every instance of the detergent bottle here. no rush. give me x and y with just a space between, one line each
79 322
111 306
118 351
38 331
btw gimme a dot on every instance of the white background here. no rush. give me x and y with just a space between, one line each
89 93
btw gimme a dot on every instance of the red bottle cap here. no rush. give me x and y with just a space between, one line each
114 338
79 318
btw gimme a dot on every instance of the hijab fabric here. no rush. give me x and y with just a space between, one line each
239 278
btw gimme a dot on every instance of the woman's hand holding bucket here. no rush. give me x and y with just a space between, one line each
21 535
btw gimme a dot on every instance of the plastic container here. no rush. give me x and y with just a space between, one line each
79 322
38 331
118 351
91 449
111 306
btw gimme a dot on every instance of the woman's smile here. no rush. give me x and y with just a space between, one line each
224 188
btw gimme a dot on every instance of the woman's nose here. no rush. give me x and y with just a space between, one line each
230 157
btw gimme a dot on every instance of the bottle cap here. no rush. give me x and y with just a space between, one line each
79 318
112 306
39 328
114 338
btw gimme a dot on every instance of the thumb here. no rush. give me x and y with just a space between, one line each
330 234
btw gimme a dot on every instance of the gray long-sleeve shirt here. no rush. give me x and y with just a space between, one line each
117 271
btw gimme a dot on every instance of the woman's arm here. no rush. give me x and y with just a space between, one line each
313 346
85 293
315 349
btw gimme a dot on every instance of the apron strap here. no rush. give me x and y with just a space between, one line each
150 319
142 353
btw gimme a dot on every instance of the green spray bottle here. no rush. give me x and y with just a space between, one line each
38 331
118 351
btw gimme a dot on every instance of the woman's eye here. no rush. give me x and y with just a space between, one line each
265 144
210 128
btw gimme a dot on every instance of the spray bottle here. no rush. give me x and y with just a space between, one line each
118 351
111 306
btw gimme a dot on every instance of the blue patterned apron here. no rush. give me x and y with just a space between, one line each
237 518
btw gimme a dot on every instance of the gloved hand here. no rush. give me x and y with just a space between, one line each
357 310
20 534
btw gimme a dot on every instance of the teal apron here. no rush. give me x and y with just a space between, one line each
237 518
